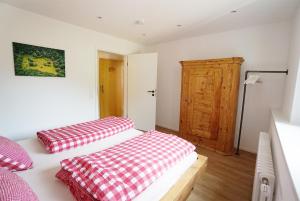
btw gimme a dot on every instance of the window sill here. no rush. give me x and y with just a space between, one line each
289 137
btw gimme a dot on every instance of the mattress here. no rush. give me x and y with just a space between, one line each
42 179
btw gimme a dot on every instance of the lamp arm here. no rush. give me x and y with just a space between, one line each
243 101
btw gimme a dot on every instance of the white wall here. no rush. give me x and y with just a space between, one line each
263 47
28 104
292 90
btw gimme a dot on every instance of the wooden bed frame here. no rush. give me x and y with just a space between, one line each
182 189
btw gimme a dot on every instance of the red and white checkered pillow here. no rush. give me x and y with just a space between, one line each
14 188
13 156
60 139
124 171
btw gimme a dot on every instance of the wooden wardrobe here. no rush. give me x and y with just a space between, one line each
209 95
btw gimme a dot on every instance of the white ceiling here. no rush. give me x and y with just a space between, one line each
161 16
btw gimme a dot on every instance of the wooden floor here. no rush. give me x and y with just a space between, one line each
227 178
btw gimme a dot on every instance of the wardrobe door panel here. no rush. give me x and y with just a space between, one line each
183 131
228 107
203 102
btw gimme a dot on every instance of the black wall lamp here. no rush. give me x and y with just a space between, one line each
252 80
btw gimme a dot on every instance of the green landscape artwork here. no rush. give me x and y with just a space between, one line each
38 61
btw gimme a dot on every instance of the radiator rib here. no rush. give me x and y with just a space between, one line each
264 179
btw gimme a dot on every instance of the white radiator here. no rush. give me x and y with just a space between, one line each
264 179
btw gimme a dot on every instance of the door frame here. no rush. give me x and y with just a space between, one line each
97 104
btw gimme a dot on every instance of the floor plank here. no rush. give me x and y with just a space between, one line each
227 178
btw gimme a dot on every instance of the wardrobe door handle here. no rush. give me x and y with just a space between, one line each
102 88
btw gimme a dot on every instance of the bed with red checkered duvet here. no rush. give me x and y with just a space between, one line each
60 139
125 170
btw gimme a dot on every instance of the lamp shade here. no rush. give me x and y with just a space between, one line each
252 79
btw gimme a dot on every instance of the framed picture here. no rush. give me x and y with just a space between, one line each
33 60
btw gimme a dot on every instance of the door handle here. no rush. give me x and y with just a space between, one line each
152 91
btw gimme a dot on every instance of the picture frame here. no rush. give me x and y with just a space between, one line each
31 60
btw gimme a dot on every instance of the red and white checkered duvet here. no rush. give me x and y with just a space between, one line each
12 156
125 170
59 139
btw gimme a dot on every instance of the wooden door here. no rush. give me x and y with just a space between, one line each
142 77
111 87
203 111
103 88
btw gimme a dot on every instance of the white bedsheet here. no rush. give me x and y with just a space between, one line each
42 178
